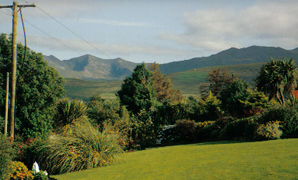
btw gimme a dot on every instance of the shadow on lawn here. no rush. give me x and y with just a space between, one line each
219 142
199 143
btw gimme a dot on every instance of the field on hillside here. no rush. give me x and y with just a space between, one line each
83 89
275 159
187 82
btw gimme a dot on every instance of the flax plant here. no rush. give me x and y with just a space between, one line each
78 146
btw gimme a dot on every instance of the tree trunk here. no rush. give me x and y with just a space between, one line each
282 96
277 96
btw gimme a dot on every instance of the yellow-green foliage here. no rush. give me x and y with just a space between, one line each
208 109
204 124
19 171
270 130
255 100
100 111
79 146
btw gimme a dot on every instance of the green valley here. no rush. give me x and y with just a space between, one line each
187 81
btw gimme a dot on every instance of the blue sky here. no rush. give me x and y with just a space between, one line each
154 31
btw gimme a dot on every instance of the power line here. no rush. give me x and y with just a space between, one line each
74 32
52 37
46 34
5 13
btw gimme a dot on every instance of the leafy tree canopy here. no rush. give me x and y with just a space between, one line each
276 78
38 86
137 92
217 80
163 86
231 97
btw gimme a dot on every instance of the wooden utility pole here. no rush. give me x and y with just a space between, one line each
7 104
14 62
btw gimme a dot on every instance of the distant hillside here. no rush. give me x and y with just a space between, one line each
232 56
188 82
89 67
84 89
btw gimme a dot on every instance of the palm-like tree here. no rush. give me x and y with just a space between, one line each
276 78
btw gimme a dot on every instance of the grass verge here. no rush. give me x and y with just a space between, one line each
276 159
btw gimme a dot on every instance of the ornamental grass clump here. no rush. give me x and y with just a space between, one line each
78 146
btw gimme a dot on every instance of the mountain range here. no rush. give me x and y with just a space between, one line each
89 67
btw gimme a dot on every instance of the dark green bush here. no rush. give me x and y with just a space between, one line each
185 131
287 116
210 132
40 176
100 111
27 153
208 109
145 131
6 152
169 113
2 123
214 130
241 129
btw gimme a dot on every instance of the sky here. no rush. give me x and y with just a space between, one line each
159 31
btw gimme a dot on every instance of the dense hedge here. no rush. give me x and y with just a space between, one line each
274 123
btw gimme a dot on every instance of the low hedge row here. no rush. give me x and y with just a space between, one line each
274 123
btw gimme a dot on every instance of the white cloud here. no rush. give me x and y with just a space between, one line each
273 22
82 47
115 23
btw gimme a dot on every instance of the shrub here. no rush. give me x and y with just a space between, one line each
255 103
19 171
2 123
201 125
231 98
269 131
144 129
213 131
27 151
40 176
67 111
286 115
241 129
209 132
6 152
166 135
100 111
185 131
79 146
208 109
169 113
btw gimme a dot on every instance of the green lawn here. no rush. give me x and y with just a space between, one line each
276 159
